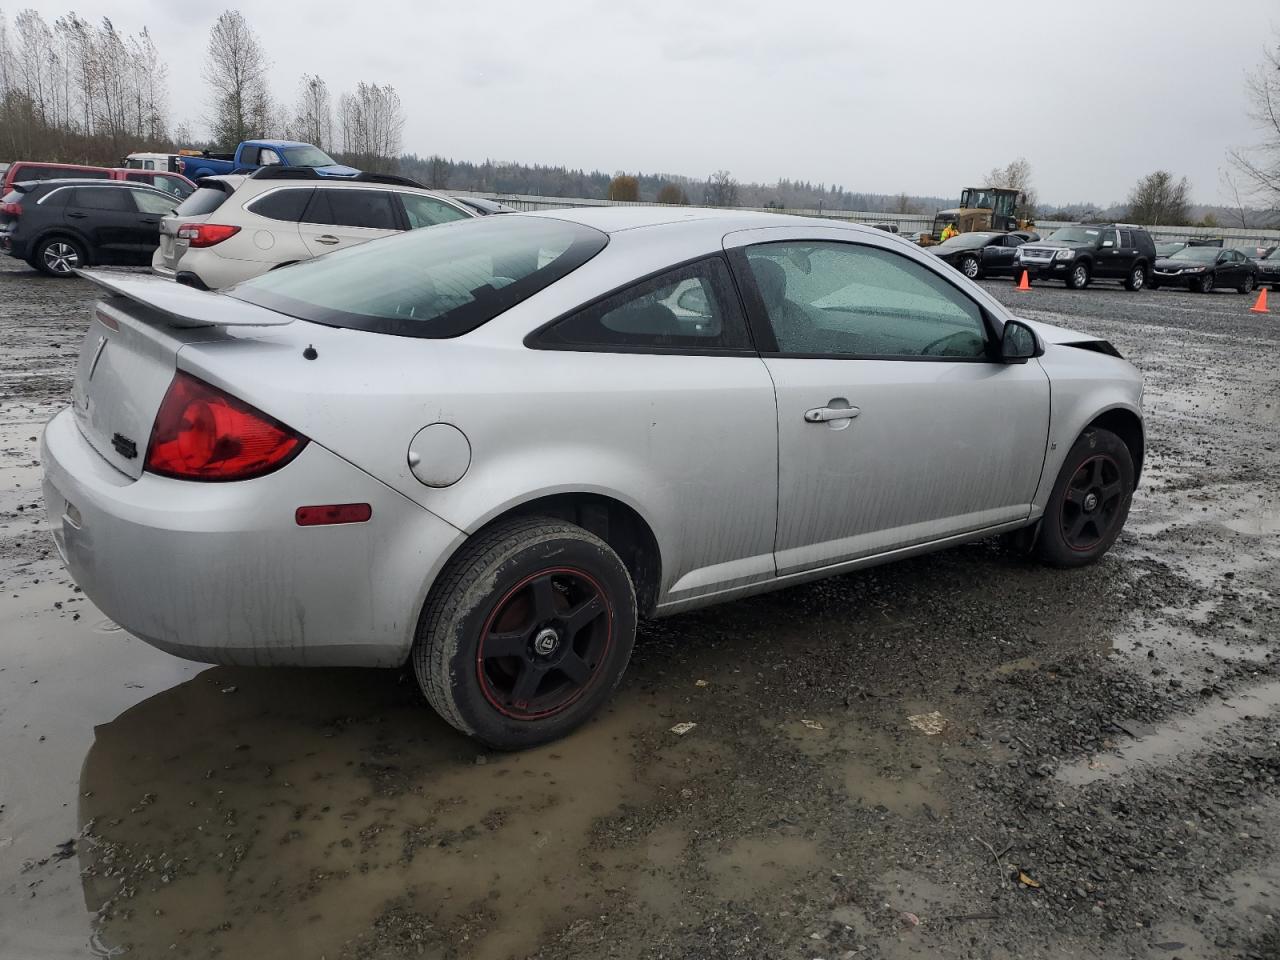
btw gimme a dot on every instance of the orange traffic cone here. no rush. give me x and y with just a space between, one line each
1024 284
1261 305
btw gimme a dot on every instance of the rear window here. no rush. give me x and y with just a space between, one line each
432 283
284 205
204 200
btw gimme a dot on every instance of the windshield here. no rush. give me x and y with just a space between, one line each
1273 255
1076 235
307 156
1197 254
966 241
439 282
1168 249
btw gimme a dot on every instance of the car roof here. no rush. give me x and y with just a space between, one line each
614 219
91 182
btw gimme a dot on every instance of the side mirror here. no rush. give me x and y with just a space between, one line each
1018 343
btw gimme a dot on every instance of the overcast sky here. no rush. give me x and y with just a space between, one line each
921 97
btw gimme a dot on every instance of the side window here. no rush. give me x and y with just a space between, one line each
1107 237
268 157
1011 241
1126 239
149 202
105 198
149 165
137 177
287 205
428 211
847 300
692 307
373 209
174 185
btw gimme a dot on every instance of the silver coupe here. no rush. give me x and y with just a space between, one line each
488 447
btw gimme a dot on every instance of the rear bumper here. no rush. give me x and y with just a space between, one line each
221 573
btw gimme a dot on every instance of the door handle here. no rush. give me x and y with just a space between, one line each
76 216
827 414
327 238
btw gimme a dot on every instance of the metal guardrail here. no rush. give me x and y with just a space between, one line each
906 222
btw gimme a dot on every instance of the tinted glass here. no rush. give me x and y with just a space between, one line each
149 201
204 200
1012 241
308 156
842 299
104 198
428 211
373 209
286 205
137 177
175 185
1126 238
1076 235
693 306
1197 254
429 283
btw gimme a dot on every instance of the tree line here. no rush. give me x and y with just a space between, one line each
72 91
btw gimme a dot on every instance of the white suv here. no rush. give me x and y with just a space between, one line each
236 227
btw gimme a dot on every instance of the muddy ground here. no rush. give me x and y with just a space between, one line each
1103 782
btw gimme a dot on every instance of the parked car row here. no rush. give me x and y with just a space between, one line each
174 184
229 229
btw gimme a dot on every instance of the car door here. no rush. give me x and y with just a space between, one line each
685 392
1107 258
152 206
998 255
340 217
896 427
107 217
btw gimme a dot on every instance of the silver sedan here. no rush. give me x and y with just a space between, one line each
488 447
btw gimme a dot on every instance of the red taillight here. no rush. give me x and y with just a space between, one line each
11 209
201 433
206 234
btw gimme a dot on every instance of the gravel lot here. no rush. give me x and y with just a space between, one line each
1104 782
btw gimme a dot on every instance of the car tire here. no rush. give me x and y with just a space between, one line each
1078 276
1089 502
1247 284
526 632
59 256
970 267
1204 284
1137 278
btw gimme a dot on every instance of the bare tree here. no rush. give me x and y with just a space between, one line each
721 190
1231 190
371 121
670 193
1016 176
624 187
313 115
236 72
1259 164
1159 199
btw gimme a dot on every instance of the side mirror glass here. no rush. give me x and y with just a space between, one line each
1018 343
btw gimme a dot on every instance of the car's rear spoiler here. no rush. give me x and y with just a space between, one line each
177 305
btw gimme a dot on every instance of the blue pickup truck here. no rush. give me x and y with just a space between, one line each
263 153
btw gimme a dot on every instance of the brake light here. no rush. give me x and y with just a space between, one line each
206 234
202 433
11 209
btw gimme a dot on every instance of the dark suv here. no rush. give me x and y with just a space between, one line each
59 225
1079 254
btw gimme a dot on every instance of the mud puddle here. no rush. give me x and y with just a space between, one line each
1176 738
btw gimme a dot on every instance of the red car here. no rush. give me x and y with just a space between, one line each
24 170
